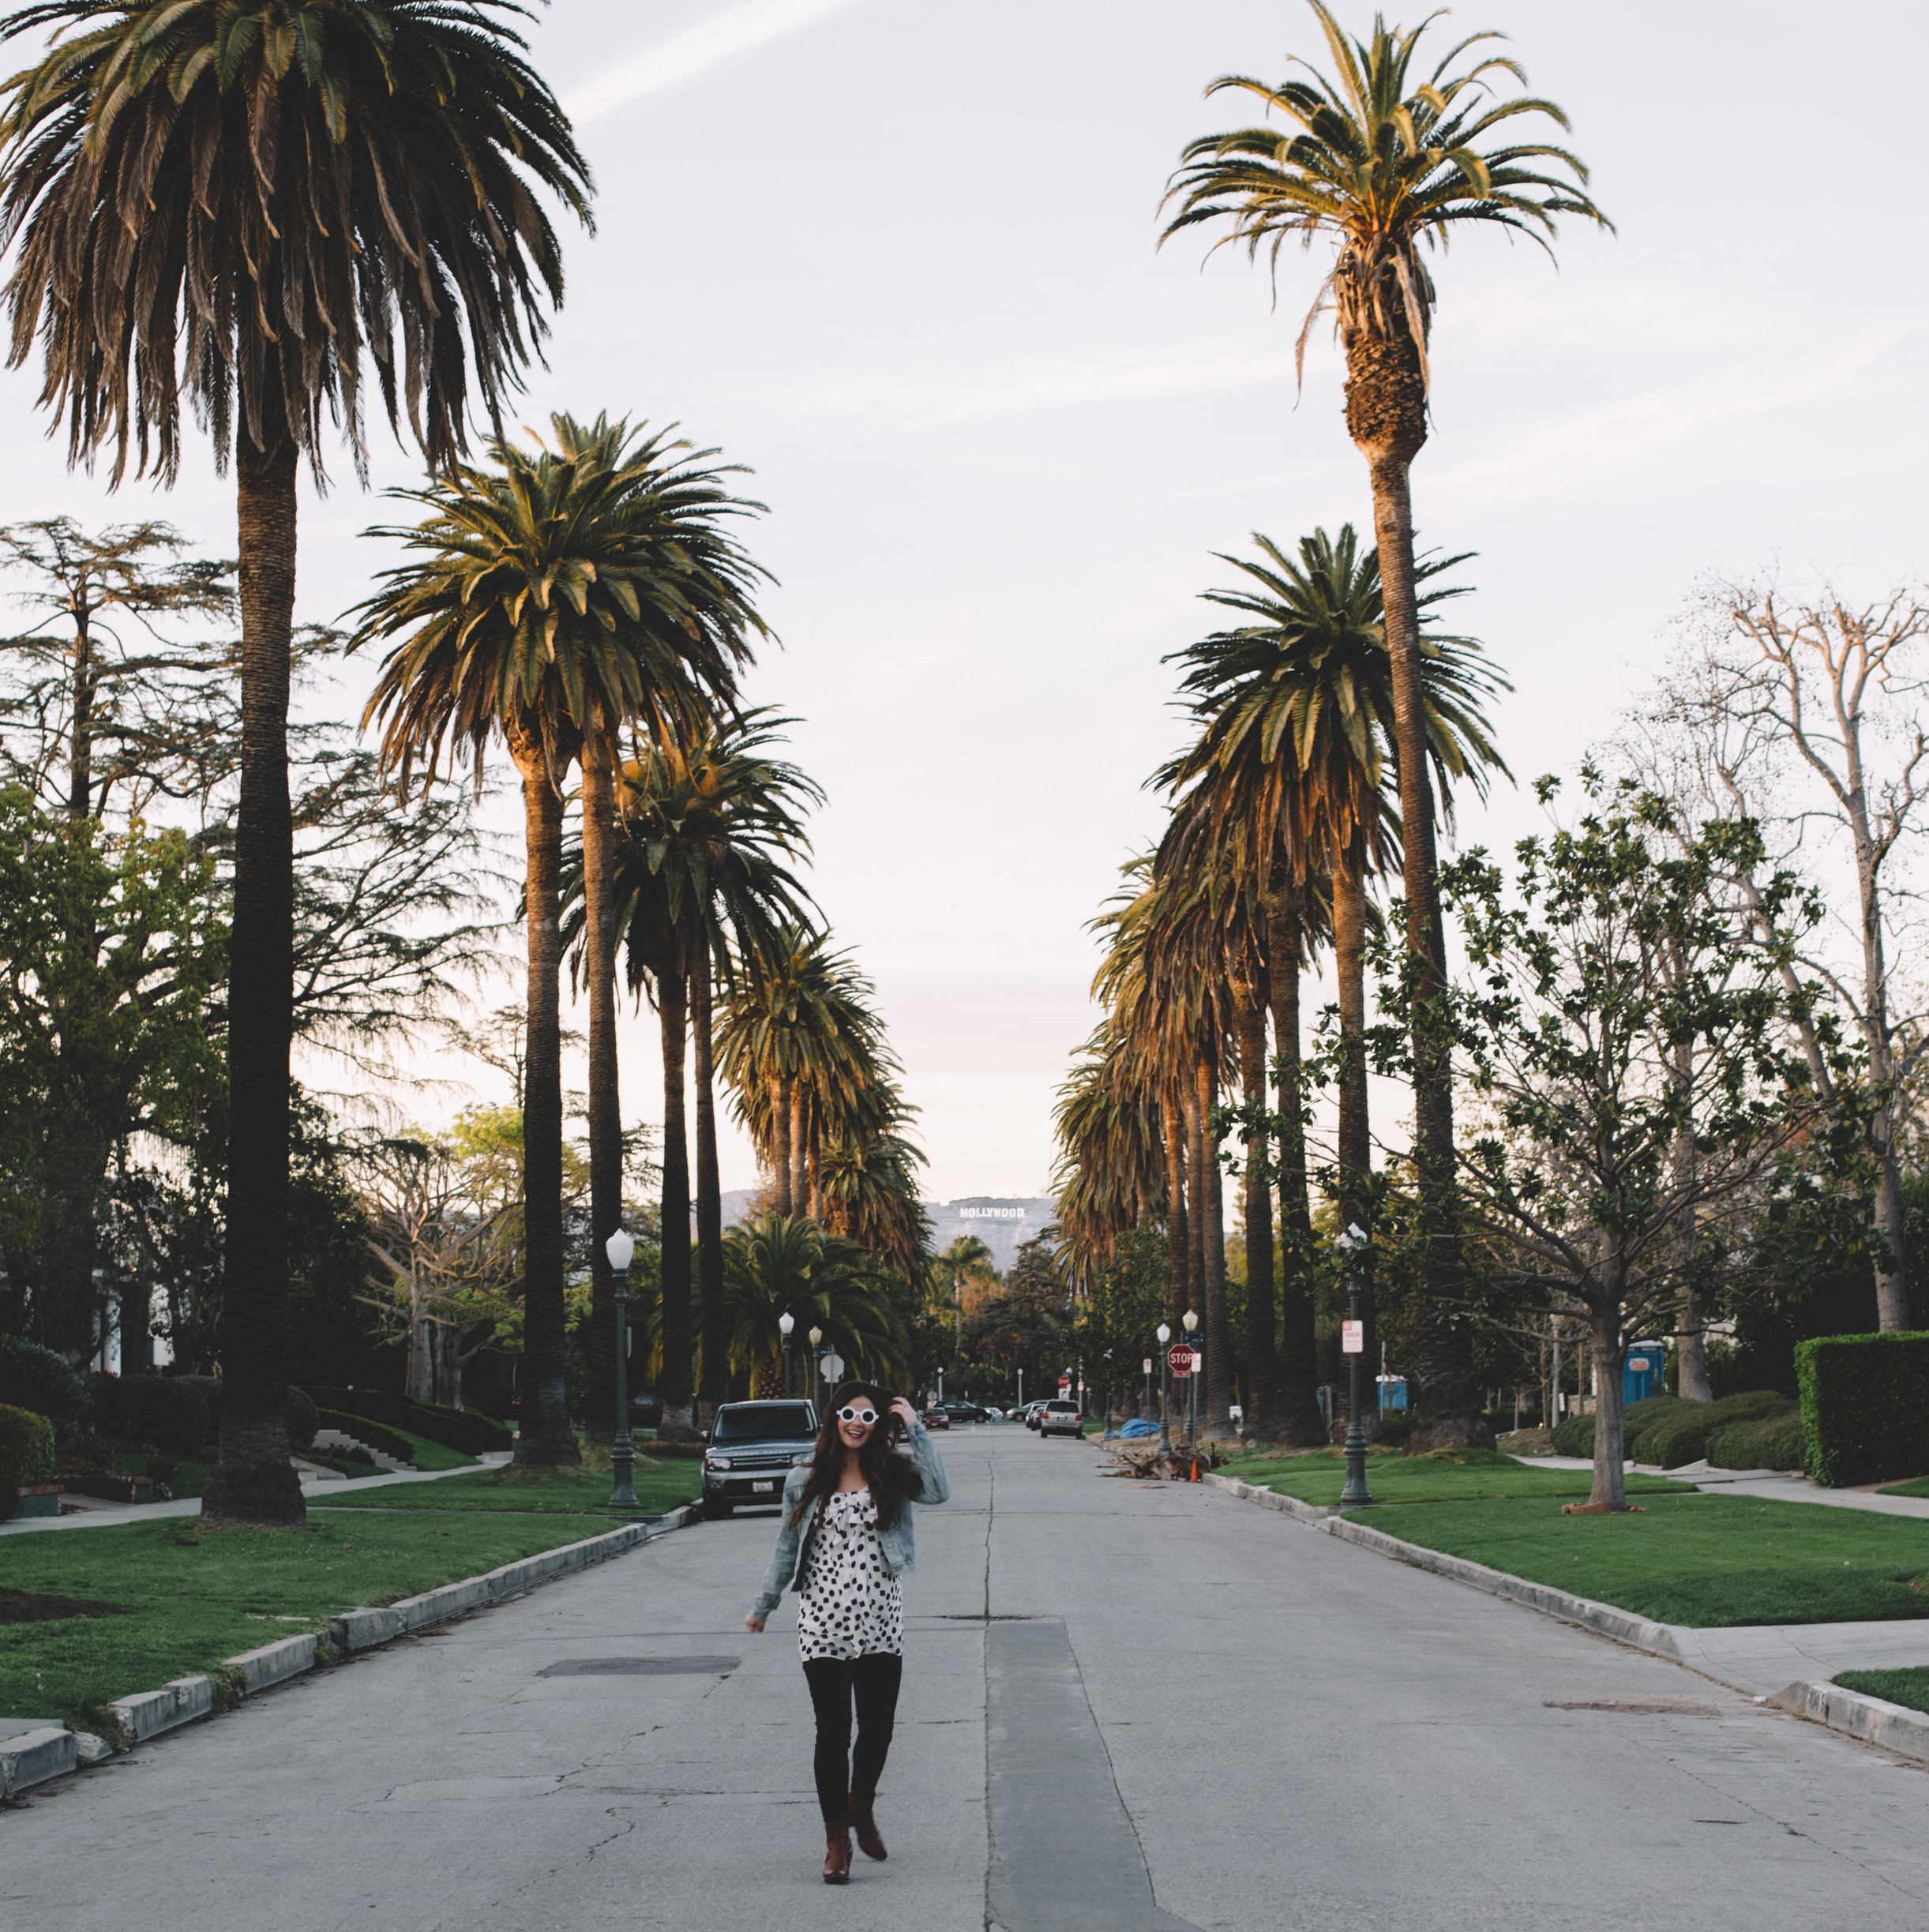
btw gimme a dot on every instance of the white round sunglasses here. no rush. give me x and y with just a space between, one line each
866 1415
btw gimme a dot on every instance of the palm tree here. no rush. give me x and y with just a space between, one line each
1297 750
241 201
699 876
1383 161
783 1265
964 1254
557 596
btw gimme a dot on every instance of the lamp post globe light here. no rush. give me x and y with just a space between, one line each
1356 1491
1164 1392
620 1247
786 1322
1192 1390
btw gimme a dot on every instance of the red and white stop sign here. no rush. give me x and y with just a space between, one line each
1182 1358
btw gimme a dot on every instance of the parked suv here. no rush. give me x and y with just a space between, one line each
750 1451
1058 1418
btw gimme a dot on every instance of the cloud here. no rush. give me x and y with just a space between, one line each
735 30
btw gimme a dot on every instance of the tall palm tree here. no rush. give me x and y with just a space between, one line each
705 830
1298 751
554 596
241 201
1383 161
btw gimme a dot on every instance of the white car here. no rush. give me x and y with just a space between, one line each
1061 1418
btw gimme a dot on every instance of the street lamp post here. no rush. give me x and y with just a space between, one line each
619 1247
1191 1329
1356 1491
1164 1392
786 1322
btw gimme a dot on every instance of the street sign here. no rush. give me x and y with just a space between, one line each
1148 1367
831 1367
1353 1338
1181 1359
1064 1385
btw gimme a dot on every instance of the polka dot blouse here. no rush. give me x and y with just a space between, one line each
851 1605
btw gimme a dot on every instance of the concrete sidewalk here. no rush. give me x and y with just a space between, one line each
1772 1485
1128 1708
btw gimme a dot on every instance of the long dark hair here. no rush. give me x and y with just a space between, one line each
891 1478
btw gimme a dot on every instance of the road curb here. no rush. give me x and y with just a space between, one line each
1604 1619
1875 1721
38 1755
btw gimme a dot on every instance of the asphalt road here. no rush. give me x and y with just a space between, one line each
1126 1707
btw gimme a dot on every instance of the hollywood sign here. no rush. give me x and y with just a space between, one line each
991 1214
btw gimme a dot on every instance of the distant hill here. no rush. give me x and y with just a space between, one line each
1001 1221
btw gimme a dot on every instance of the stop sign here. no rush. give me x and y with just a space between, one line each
1182 1358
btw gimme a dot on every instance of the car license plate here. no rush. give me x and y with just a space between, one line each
762 1488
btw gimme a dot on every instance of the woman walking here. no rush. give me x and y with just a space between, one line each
846 1540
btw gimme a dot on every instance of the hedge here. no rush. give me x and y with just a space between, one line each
304 1419
1665 1430
460 1429
1683 1436
1865 1407
36 1378
168 1411
26 1452
302 1411
372 1433
1777 1444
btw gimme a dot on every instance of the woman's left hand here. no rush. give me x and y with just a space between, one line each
904 1413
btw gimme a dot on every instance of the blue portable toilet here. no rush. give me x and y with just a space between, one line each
1642 1369
1392 1394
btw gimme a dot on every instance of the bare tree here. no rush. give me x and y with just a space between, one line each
1804 717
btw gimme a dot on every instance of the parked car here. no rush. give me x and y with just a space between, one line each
1031 1412
1059 1418
935 1417
966 1411
750 1449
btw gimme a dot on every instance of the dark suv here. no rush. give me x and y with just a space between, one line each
751 1449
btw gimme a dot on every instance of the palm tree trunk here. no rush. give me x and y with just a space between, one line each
716 1362
606 1115
780 1142
1196 1194
1301 1425
81 745
1355 1143
1387 415
1263 1406
545 1436
1215 1418
800 1146
253 1481
1178 1236
674 1385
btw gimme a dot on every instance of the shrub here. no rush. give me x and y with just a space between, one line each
1865 1407
462 1430
1683 1436
1777 1444
168 1411
1574 1435
1395 1426
26 1452
36 1378
210 1388
386 1440
303 1420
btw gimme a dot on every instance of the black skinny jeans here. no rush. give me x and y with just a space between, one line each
836 1684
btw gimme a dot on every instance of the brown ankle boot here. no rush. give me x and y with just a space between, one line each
837 1855
867 1839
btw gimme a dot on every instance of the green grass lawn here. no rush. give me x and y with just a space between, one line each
660 1486
430 1455
1918 1488
1447 1475
1907 1686
181 1594
1695 1559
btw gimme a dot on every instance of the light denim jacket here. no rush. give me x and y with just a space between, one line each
898 1543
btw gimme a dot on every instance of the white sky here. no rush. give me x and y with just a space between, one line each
897 256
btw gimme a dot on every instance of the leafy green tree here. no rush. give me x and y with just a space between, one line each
1651 1120
1385 160
241 201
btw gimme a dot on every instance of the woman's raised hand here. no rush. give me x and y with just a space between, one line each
904 1411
